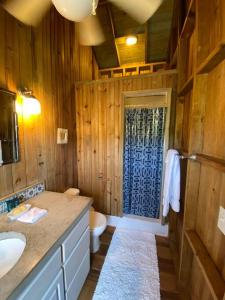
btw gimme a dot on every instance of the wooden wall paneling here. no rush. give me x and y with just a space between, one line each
172 128
211 197
184 275
210 16
179 123
69 113
95 70
10 82
51 62
76 48
186 122
64 109
6 185
38 83
105 134
197 113
183 165
190 58
19 169
202 127
73 138
110 112
86 71
200 290
102 202
94 145
191 194
50 95
30 124
189 222
45 59
182 62
58 77
214 132
211 274
118 147
79 133
86 67
86 110
89 140
181 215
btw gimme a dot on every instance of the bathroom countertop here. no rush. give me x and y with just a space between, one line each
43 237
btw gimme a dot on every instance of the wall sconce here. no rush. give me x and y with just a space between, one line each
27 104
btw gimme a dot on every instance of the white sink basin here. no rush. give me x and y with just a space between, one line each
12 245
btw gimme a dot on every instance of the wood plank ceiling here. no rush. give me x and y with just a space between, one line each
153 36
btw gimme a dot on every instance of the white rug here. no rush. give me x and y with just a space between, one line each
130 271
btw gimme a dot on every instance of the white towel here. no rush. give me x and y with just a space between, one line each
33 215
171 190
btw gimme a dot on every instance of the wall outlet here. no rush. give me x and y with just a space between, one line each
221 220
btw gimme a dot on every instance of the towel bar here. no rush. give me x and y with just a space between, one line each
192 157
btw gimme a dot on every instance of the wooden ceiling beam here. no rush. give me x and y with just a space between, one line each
109 11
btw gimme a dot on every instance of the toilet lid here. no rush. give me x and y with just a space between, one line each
96 220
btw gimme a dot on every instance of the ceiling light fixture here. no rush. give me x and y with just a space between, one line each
76 10
131 40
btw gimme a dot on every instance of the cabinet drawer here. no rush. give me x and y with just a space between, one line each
71 241
72 264
56 289
79 279
40 284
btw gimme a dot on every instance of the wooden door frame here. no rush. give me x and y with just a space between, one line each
167 92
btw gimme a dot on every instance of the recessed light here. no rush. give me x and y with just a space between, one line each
131 40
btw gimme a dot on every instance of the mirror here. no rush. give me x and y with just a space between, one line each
9 147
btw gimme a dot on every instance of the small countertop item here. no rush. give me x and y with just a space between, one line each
43 237
33 215
18 211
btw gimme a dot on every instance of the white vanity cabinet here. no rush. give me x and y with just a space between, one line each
65 272
76 258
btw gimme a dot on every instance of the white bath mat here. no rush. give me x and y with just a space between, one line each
130 270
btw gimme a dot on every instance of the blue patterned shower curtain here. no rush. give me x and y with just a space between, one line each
143 160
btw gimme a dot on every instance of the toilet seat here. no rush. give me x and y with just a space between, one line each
97 224
97 220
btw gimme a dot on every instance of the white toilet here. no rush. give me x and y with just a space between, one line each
97 223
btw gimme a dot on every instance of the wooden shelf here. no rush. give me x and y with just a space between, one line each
186 87
206 264
213 59
131 70
189 23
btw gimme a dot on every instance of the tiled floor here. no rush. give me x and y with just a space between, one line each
166 268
